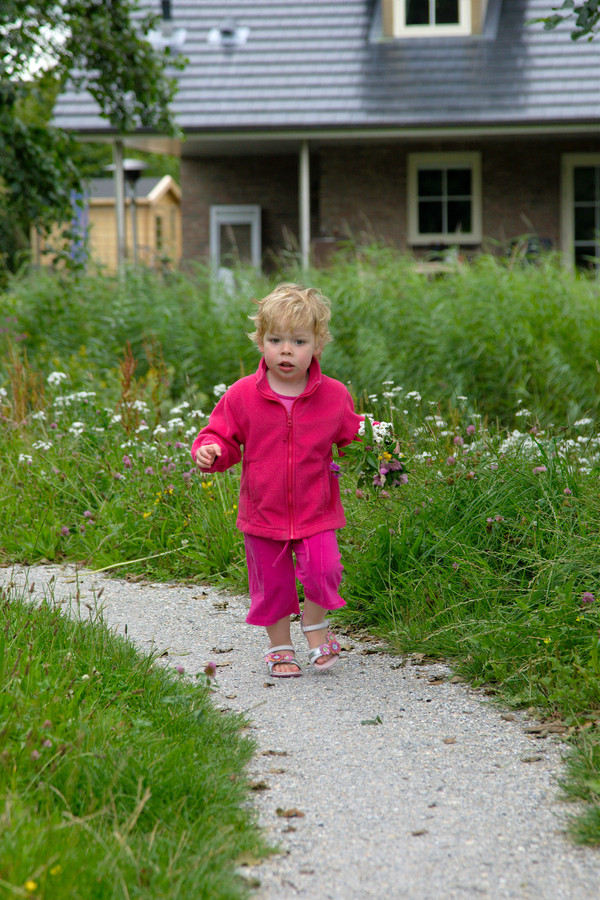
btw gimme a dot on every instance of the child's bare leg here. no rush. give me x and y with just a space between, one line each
279 634
314 614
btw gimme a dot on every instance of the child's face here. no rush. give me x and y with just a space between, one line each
288 355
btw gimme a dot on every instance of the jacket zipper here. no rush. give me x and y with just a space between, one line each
290 471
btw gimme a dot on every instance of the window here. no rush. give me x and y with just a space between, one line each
235 236
444 198
580 212
158 234
427 18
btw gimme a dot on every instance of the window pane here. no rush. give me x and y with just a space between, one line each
585 223
446 12
236 244
431 219
459 182
459 216
584 183
417 12
586 256
430 182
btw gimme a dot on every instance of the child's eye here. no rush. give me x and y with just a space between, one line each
300 341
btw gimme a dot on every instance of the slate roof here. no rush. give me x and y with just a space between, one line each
314 65
104 188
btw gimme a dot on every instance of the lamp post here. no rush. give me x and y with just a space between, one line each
131 169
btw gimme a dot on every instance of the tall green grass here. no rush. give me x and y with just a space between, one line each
497 333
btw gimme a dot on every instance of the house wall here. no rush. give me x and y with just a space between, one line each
361 191
270 181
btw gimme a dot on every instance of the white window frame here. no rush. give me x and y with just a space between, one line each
249 214
418 161
401 29
569 162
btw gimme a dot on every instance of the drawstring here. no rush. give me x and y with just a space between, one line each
285 547
306 549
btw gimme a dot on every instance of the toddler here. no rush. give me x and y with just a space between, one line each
286 418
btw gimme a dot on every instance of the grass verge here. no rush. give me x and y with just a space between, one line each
117 778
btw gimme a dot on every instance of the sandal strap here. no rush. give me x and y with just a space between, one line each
280 647
324 624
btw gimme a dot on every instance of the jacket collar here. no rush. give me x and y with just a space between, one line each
314 378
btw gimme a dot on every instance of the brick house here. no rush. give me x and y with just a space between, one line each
426 123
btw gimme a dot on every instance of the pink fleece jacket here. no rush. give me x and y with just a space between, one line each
288 490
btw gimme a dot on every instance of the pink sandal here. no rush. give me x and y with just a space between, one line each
330 648
282 654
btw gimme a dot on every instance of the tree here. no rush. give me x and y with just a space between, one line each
99 46
587 18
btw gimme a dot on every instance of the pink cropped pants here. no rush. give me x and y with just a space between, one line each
272 575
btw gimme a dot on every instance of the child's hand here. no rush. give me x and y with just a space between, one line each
206 455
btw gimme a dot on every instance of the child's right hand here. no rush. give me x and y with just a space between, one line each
206 455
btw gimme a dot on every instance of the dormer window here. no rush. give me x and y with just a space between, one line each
430 18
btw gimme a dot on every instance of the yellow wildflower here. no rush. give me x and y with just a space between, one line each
30 885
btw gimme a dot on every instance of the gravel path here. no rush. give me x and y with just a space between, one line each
379 778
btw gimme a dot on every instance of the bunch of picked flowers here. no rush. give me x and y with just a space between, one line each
375 457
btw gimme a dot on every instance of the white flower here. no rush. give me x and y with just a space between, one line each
160 429
177 410
522 413
197 414
77 428
24 458
38 416
55 378
219 390
3 392
41 445
175 423
413 395
581 422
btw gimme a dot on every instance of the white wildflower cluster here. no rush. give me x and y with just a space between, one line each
67 400
38 416
219 390
175 423
25 459
41 445
414 395
77 428
56 378
3 393
382 431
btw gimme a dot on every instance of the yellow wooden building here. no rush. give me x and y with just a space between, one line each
154 221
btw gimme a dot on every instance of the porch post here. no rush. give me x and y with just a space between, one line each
118 156
304 204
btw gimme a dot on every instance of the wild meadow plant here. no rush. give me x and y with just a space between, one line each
118 778
86 481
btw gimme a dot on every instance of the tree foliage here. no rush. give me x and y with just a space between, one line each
586 18
98 46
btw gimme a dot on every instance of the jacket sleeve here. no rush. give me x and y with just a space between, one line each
349 424
224 430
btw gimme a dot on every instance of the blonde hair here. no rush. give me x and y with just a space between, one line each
294 307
